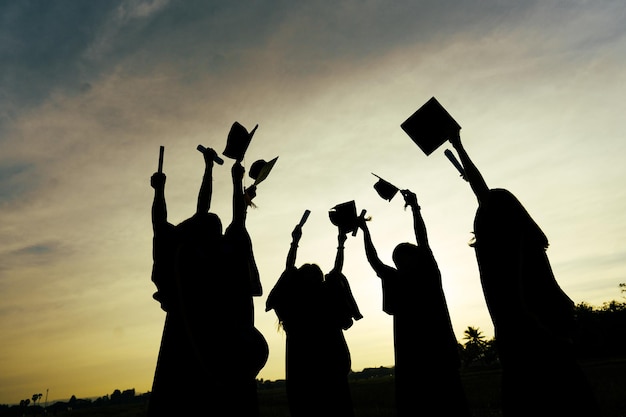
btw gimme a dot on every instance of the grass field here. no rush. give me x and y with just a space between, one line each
374 397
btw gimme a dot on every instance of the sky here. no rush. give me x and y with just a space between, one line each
90 90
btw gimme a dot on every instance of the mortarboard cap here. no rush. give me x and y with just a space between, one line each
385 189
256 167
430 126
344 216
260 169
238 141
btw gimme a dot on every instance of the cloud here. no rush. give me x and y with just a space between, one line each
42 44
38 251
19 264
61 46
15 178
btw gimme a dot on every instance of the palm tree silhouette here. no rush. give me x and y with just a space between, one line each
474 336
475 345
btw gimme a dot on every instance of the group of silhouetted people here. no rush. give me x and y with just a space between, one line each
206 279
210 351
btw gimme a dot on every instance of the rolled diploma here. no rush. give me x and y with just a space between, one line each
456 163
216 158
161 151
305 216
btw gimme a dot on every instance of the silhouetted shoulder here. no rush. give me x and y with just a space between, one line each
504 217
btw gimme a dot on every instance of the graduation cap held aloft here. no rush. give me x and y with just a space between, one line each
385 189
344 217
238 141
259 170
430 126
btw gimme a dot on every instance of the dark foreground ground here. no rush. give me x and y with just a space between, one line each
374 397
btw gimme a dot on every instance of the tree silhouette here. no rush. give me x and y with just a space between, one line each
473 335
599 329
36 397
116 396
477 348
474 347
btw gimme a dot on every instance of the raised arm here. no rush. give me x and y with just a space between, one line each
473 176
239 203
238 227
341 239
370 251
206 188
159 208
293 249
419 226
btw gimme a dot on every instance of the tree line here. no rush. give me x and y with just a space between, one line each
599 334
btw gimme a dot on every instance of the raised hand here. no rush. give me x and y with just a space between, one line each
237 171
296 234
410 199
157 181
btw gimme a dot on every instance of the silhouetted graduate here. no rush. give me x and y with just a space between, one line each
210 347
533 318
179 355
313 312
427 379
164 243
202 286
249 353
221 302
